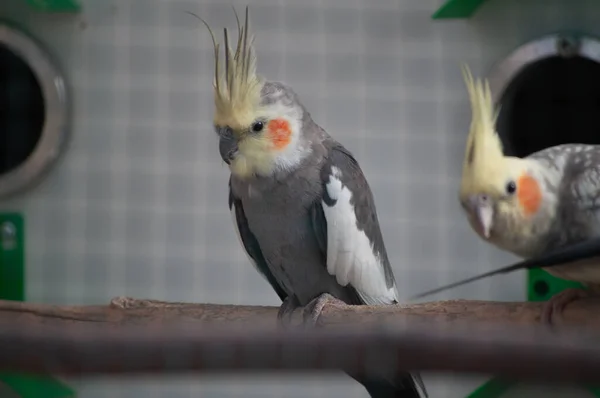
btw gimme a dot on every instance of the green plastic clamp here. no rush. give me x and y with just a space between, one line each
541 286
12 287
457 9
55 5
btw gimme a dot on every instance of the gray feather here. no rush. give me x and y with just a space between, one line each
578 190
284 215
363 204
251 245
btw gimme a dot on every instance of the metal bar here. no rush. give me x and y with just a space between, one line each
523 353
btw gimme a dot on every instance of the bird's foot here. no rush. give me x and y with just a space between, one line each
312 311
557 303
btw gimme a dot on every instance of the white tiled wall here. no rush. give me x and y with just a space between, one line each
138 207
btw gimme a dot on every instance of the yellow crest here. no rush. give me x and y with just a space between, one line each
484 159
236 88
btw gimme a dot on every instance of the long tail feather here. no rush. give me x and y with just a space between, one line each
405 386
569 254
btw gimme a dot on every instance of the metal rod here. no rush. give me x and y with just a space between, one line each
87 350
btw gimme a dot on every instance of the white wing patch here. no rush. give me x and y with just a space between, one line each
350 255
237 232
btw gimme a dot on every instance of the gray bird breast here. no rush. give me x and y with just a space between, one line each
278 213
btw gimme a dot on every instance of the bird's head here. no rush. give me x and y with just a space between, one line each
259 123
500 194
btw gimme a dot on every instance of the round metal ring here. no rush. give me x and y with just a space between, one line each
56 117
559 44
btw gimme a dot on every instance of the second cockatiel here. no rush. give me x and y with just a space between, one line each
534 205
300 202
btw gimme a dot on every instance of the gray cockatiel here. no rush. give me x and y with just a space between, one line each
536 207
300 203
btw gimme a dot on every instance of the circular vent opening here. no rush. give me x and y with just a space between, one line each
549 94
33 111
21 110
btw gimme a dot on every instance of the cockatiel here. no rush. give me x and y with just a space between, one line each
300 203
534 207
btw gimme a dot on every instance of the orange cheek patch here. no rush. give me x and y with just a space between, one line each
279 132
529 194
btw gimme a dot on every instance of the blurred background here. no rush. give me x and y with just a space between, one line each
137 203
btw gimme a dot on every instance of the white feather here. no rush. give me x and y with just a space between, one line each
237 232
350 255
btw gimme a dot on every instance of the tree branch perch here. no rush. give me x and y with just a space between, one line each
146 336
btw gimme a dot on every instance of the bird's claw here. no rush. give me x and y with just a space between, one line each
555 306
310 313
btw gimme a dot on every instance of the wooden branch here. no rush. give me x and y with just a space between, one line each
135 336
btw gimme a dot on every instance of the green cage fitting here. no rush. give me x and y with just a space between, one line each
457 9
12 287
55 5
540 287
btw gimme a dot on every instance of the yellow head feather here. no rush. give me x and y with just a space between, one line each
484 165
237 88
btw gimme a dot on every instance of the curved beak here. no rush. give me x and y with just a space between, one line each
482 212
227 148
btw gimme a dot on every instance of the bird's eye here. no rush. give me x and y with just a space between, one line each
511 187
257 126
